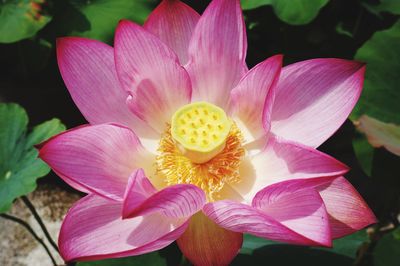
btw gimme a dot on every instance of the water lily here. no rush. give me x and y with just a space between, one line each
185 143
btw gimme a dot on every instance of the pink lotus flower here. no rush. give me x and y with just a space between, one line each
185 143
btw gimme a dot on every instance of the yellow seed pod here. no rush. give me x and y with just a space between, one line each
200 130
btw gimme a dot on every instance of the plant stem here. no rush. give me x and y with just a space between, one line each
30 230
30 206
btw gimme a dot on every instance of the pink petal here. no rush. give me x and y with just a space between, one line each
150 71
137 191
314 98
217 52
249 97
175 201
87 67
149 104
300 209
99 158
242 218
173 22
347 210
93 229
205 243
73 184
284 160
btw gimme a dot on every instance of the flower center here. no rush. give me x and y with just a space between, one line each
200 130
208 160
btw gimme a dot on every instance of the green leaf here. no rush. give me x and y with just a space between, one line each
21 19
251 4
294 12
97 19
390 6
386 252
364 152
250 243
381 95
153 259
257 251
349 245
346 246
19 162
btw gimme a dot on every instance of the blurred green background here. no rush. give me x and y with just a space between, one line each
365 30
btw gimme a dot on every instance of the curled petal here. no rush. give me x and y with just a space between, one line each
300 209
347 210
252 98
176 201
314 98
217 52
173 22
97 158
137 191
93 229
205 243
242 218
150 71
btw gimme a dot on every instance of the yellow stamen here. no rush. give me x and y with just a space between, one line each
209 128
210 176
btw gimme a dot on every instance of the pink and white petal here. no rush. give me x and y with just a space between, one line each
217 52
99 158
205 243
150 71
314 98
347 210
147 103
88 70
284 160
300 209
138 190
249 98
93 229
243 218
173 22
176 201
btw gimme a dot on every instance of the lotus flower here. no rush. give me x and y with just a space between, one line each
185 143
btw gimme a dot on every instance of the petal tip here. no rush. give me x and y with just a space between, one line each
278 57
126 23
